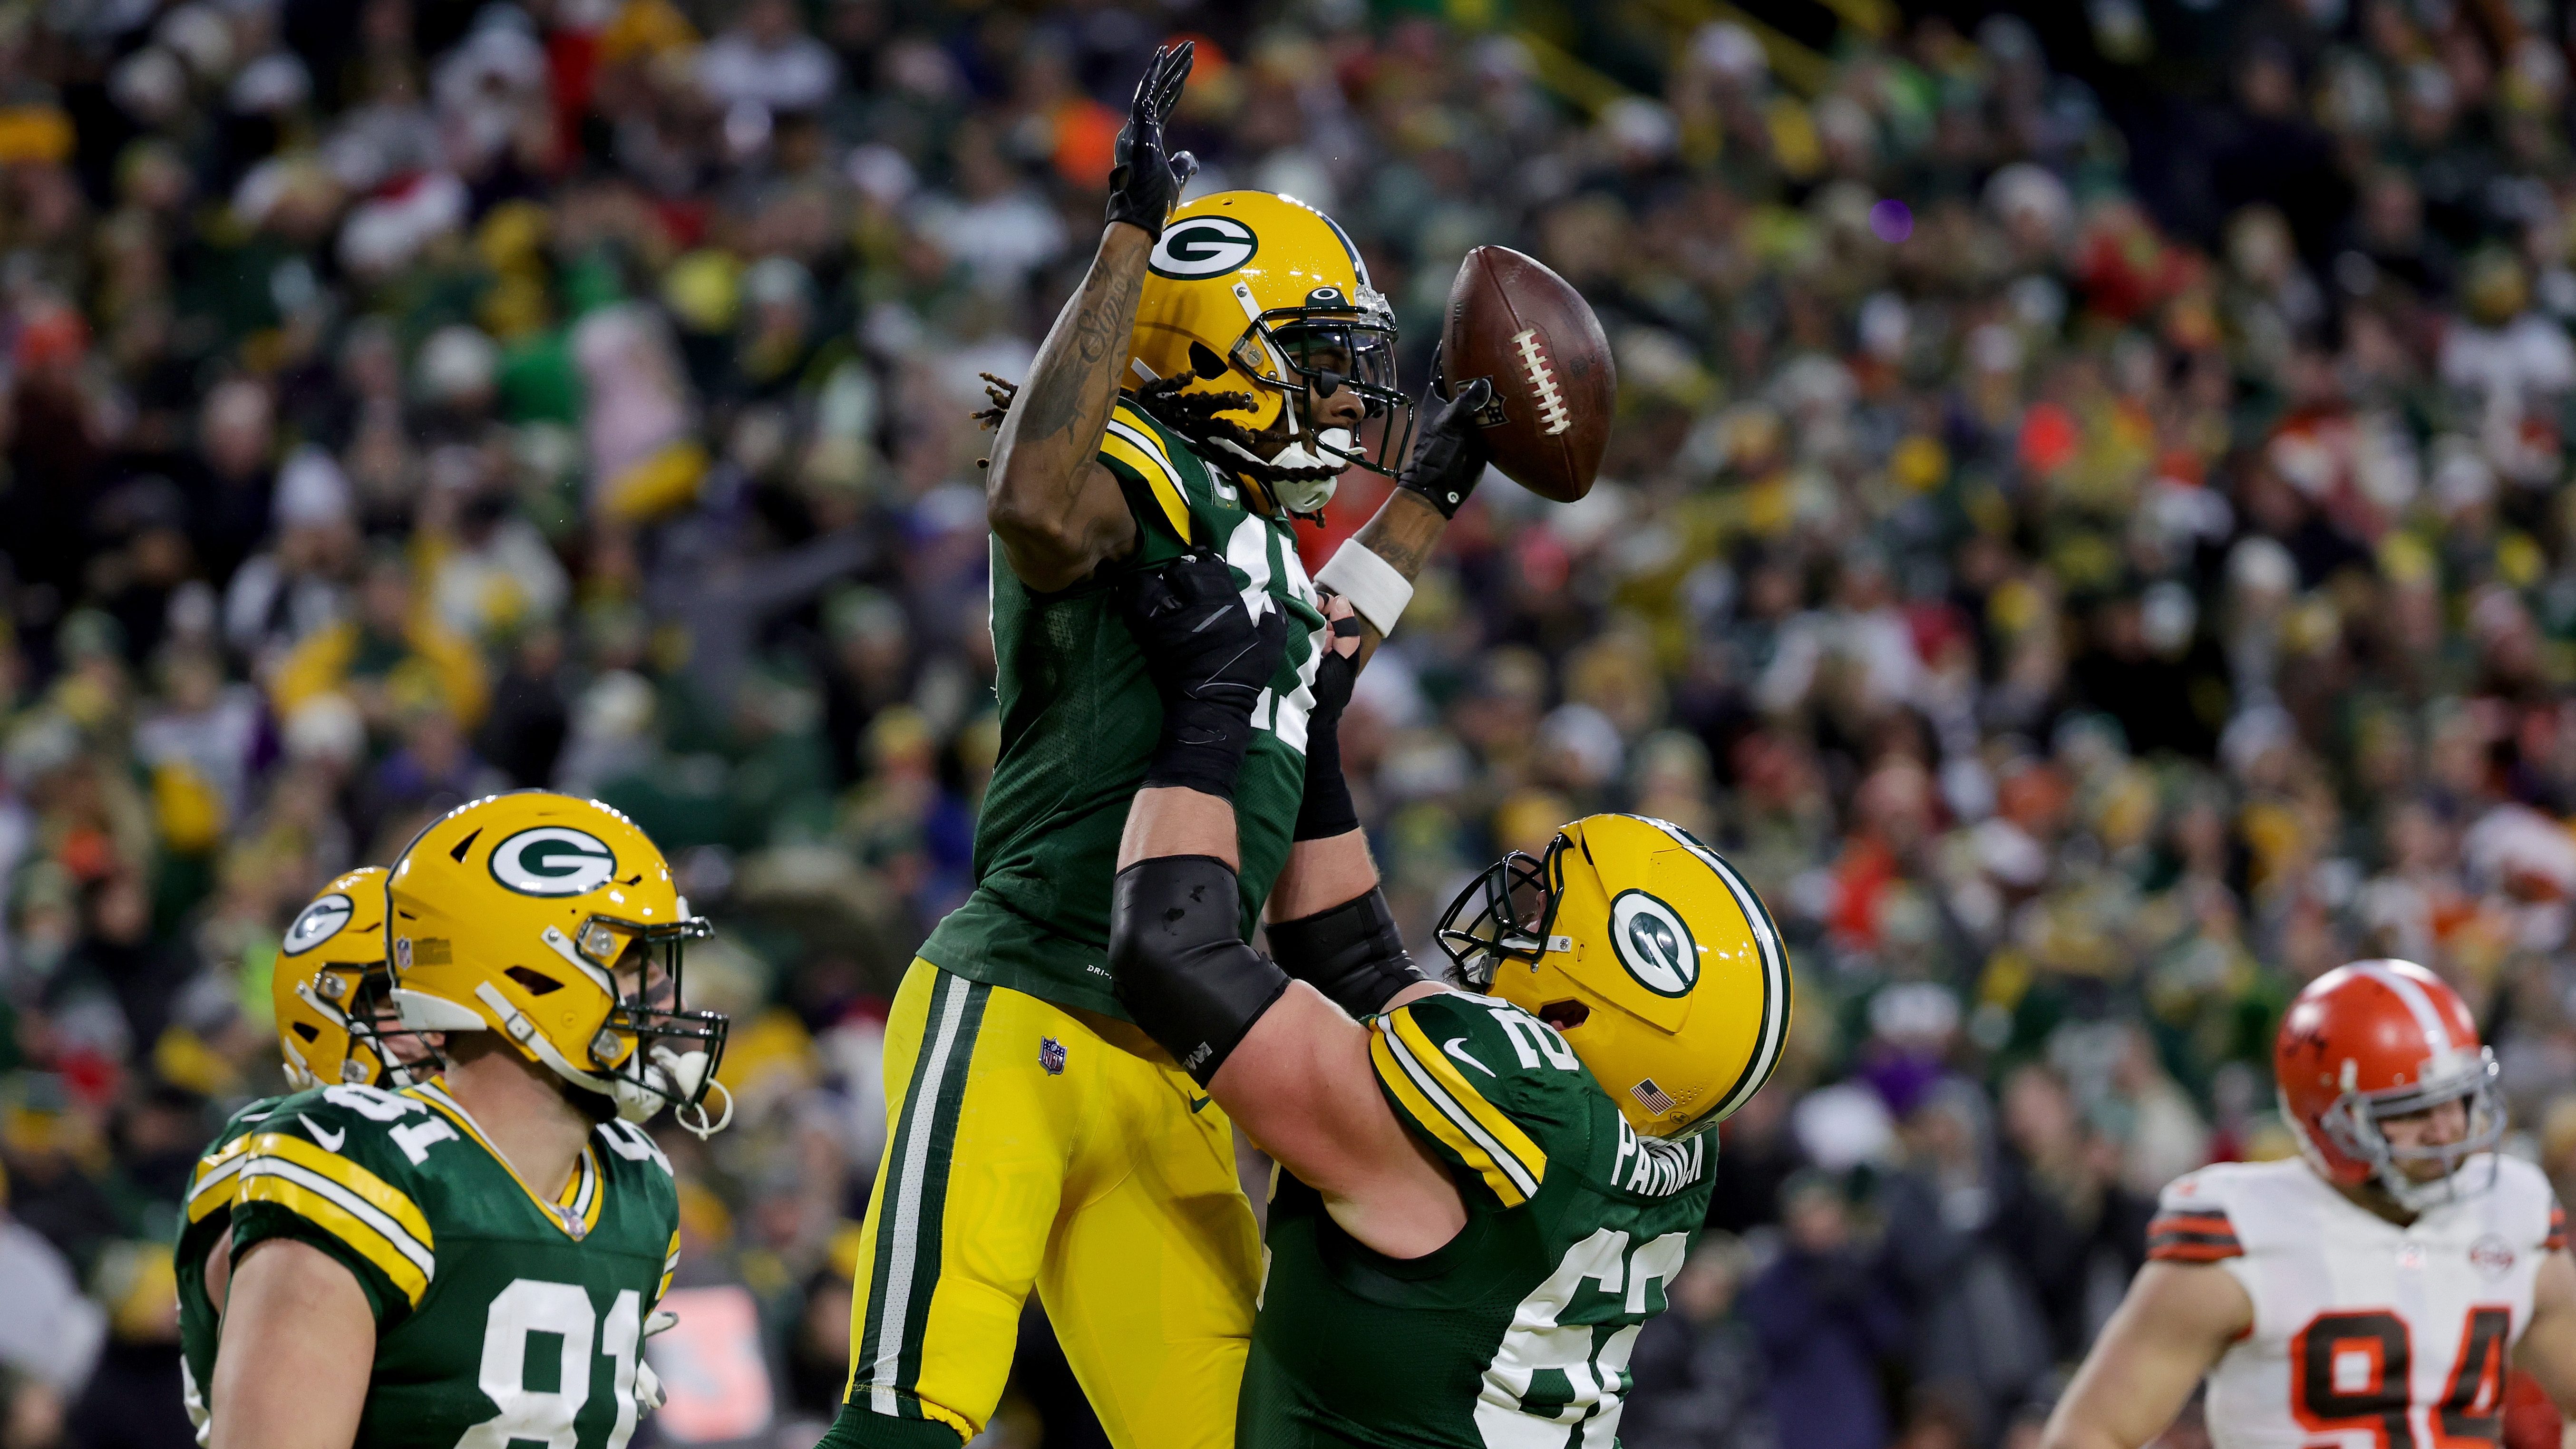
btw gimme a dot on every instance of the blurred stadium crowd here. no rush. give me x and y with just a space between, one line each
2092 575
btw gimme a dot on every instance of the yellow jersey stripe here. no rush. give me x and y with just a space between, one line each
1125 418
1120 446
581 1196
670 1265
211 1187
344 1215
1503 1177
1461 1092
380 1195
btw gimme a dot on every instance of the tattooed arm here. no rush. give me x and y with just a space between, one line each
1057 511
1402 532
1448 458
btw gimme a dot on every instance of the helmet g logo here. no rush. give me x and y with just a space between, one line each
318 923
553 860
1202 246
1651 940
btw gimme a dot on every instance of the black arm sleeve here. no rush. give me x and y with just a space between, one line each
1351 953
1178 964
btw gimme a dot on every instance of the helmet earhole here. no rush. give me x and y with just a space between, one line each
1565 1015
1205 362
535 983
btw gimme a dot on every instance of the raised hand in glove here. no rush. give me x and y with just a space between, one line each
1448 446
1144 183
1210 658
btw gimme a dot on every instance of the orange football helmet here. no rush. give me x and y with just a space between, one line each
2380 1039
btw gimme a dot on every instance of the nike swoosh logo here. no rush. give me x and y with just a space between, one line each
330 1140
1456 1047
1197 1102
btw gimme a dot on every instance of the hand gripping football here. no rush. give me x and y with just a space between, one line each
1520 324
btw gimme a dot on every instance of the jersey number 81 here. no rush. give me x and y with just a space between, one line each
562 1311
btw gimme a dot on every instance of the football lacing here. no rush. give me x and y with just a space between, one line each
1551 403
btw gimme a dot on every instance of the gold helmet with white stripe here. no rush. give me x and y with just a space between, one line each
1647 952
1261 295
556 922
329 981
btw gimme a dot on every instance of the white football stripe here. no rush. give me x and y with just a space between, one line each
905 1218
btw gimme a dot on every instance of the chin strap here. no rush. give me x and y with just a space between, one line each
675 1076
687 1070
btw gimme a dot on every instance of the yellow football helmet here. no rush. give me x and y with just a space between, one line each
1250 291
540 916
1647 952
328 983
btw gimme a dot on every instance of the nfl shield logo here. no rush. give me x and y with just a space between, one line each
1051 1056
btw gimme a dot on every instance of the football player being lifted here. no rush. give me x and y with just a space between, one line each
1221 366
2374 1291
476 1259
1485 1190
328 991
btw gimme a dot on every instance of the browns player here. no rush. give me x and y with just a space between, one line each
2376 1292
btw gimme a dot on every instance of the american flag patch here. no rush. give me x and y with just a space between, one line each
1651 1097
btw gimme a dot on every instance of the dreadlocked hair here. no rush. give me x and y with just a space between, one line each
1193 415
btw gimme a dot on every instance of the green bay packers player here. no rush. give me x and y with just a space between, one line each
1221 366
476 1260
328 991
1485 1190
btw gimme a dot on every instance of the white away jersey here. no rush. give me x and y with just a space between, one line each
2366 1335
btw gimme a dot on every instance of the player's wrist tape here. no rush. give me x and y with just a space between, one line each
1376 588
1352 953
1179 963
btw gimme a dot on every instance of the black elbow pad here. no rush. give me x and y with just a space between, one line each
1178 963
1352 953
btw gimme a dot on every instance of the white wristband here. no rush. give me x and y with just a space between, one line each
1373 586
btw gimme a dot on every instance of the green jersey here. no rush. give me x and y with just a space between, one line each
1079 719
501 1315
209 1217
1516 1333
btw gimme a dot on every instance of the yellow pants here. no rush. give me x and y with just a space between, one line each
1025 1148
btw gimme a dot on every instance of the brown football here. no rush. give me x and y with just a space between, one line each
1520 324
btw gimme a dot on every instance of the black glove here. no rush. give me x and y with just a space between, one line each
1326 810
1144 183
1210 659
1448 446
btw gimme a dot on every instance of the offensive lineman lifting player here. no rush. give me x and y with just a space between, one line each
2373 1292
1483 1193
1036 1138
